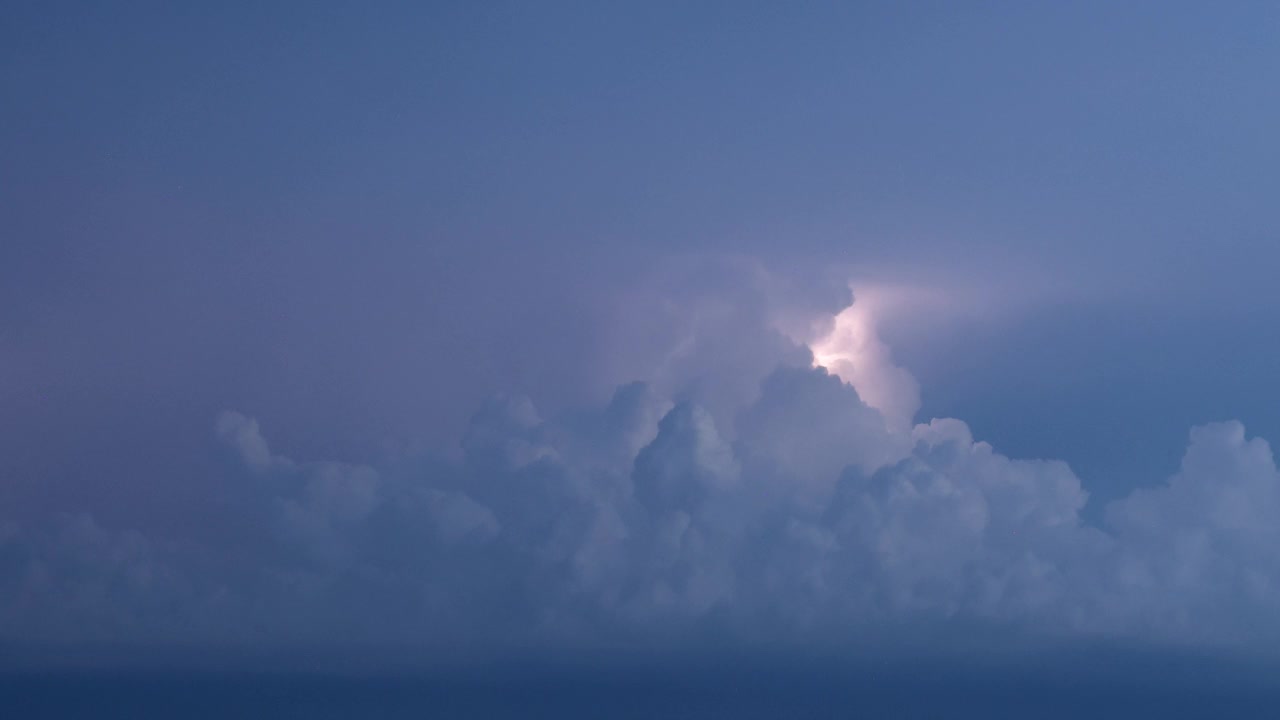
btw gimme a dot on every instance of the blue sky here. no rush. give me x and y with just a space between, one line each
288 290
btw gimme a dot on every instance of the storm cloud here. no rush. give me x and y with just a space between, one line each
788 509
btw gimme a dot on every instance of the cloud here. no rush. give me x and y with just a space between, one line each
957 529
1197 554
70 580
799 510
851 349
806 427
707 329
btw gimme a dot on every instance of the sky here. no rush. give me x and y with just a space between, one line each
405 332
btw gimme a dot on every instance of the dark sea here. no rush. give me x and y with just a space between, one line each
1130 686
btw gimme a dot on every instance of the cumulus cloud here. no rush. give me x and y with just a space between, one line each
806 427
958 529
800 508
1200 549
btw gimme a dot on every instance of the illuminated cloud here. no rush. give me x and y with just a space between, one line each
852 351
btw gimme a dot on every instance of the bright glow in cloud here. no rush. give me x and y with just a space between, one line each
852 351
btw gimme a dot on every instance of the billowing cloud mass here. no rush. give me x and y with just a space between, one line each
691 507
